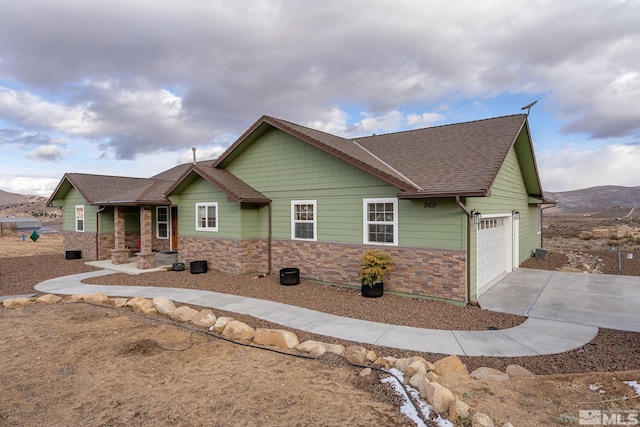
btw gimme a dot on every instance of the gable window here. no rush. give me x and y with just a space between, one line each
162 222
207 216
380 221
79 218
303 220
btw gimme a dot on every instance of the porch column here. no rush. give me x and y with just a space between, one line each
146 258
119 254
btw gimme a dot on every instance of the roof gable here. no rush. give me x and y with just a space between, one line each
112 190
235 189
457 159
348 150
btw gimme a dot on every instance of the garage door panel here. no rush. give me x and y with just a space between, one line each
491 250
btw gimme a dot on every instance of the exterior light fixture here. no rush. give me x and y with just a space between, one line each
477 216
515 214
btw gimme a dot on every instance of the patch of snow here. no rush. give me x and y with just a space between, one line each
407 408
634 385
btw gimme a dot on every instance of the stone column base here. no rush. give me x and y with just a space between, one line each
119 256
146 261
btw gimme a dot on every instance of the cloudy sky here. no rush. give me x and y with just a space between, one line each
128 87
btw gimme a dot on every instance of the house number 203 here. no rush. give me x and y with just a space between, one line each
430 205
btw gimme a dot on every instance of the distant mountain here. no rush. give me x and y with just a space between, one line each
596 198
8 199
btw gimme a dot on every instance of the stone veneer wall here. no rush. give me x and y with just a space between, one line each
227 255
84 242
418 271
425 272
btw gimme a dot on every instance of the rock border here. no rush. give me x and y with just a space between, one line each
418 372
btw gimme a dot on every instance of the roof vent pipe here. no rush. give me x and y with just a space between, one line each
194 155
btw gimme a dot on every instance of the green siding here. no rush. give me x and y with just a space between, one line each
201 191
285 169
72 199
508 193
434 223
106 222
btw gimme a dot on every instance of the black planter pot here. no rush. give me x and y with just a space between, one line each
289 276
375 291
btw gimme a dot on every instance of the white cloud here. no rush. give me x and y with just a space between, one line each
148 78
570 169
46 153
30 185
335 121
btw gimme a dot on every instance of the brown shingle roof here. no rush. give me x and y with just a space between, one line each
117 190
457 159
236 189
342 148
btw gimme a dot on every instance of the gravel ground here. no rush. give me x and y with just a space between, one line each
609 351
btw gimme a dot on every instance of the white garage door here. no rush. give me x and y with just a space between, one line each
492 258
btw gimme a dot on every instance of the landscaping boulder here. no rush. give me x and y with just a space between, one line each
221 323
451 365
184 313
458 411
355 354
237 330
116 302
48 299
276 338
439 397
485 373
481 420
16 302
205 318
386 362
97 298
141 305
164 306
72 298
515 371
419 382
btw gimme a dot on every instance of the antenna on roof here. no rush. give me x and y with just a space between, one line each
528 106
194 155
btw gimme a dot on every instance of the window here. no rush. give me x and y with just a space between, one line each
79 218
539 220
207 216
303 220
381 221
162 222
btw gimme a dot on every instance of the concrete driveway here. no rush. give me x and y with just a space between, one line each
602 300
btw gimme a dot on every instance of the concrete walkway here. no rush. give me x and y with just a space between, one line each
534 337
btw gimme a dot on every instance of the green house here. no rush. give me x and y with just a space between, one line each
457 207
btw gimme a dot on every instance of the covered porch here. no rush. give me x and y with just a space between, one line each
153 227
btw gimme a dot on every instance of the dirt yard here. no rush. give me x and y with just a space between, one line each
78 364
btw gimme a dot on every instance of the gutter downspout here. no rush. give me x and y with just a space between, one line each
100 210
468 213
269 239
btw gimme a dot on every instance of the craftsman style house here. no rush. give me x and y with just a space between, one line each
456 206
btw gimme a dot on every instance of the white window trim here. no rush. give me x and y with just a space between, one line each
365 221
168 222
315 219
209 204
539 221
83 218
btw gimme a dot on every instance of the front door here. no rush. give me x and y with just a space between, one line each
174 228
